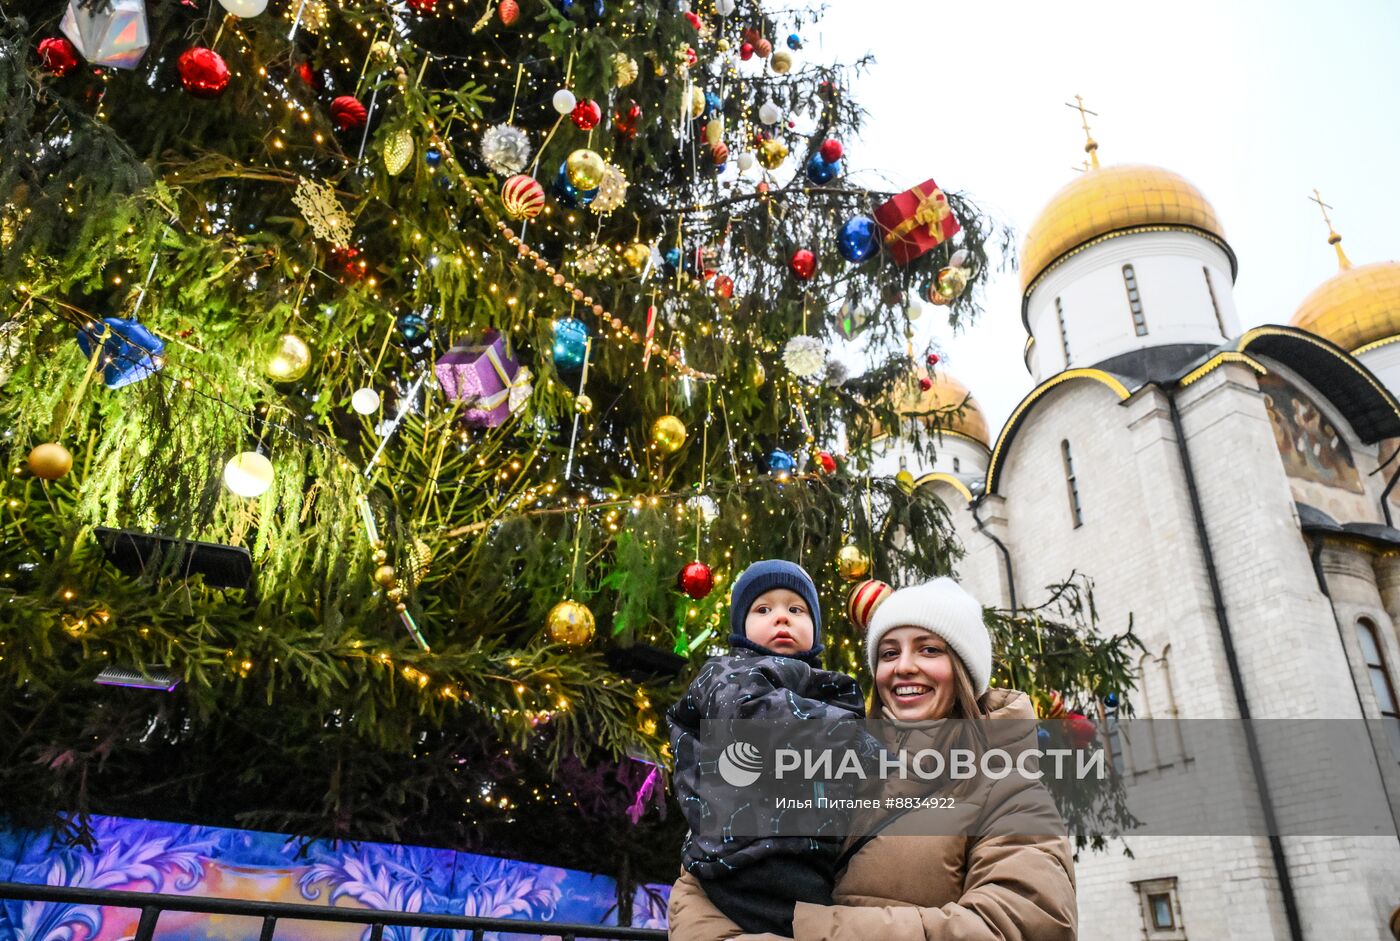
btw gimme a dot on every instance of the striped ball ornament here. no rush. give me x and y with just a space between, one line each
864 599
523 197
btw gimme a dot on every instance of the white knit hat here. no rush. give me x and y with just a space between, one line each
940 607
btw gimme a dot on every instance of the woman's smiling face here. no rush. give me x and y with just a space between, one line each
914 675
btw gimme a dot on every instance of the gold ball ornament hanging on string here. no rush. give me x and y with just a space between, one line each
637 255
781 61
50 461
570 623
385 576
949 284
668 434
583 404
772 153
290 360
697 101
852 563
905 481
585 168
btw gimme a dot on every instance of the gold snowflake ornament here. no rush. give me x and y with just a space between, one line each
323 212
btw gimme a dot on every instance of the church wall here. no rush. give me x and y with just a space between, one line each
1098 320
981 570
1384 361
1290 654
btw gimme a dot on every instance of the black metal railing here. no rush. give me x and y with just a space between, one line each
151 905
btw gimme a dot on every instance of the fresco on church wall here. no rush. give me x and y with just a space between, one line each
1316 457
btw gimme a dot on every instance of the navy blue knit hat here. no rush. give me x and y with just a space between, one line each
767 575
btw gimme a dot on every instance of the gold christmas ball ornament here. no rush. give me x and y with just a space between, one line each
714 131
290 359
697 101
852 563
385 576
668 433
381 50
585 168
905 481
757 375
781 61
570 623
380 557
772 153
624 69
583 405
50 461
950 283
637 255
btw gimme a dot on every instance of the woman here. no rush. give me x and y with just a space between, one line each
931 657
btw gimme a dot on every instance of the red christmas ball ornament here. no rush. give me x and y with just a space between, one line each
586 115
764 48
724 286
831 150
202 72
696 580
864 598
304 72
746 51
692 19
58 55
423 7
803 264
719 154
1081 731
508 12
625 120
352 266
925 383
751 34
762 189
933 360
826 462
347 113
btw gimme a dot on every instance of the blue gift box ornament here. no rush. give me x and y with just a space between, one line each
129 352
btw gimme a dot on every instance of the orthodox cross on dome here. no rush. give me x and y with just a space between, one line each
1333 238
1091 146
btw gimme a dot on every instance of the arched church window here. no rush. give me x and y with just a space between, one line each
1370 638
1064 334
1210 288
957 466
1134 300
1076 511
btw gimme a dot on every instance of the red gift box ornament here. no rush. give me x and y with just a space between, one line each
915 221
489 382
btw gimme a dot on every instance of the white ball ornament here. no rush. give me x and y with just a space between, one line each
914 311
769 112
746 161
244 8
248 474
724 7
365 401
564 101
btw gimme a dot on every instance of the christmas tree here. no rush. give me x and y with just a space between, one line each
392 390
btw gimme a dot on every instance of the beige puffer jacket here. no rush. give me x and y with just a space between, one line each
904 886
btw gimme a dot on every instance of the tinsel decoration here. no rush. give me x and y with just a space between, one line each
804 356
612 191
505 148
323 212
398 151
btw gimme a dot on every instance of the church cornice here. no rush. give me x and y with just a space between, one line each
1218 360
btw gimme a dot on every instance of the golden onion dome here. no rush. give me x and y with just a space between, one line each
1108 201
945 392
1355 307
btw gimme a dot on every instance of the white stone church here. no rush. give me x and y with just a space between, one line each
1234 492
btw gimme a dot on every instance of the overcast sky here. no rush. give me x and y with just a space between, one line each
1256 103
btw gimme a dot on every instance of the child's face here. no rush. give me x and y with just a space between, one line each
781 621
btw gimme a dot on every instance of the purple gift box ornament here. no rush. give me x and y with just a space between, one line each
491 383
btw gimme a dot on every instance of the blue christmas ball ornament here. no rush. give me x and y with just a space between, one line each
671 260
432 157
130 352
412 327
1110 701
570 343
780 462
820 171
714 104
794 41
1042 736
858 239
569 194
